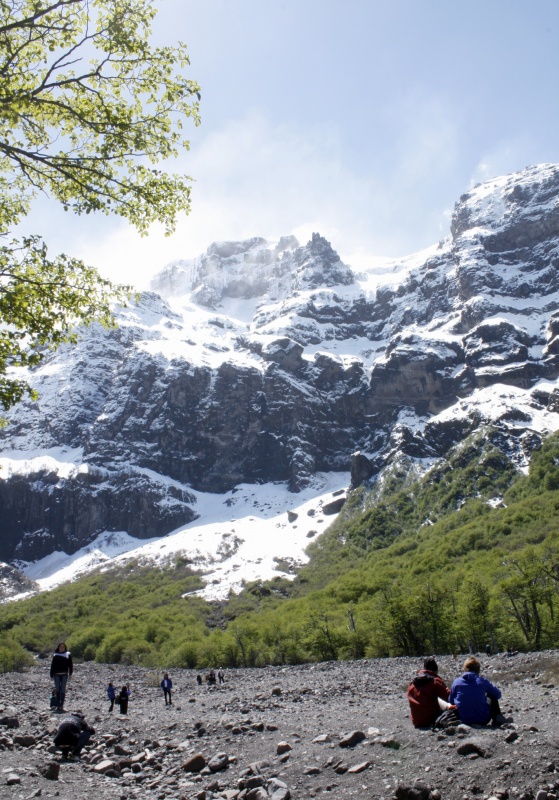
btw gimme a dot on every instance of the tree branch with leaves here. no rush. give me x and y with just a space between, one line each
88 108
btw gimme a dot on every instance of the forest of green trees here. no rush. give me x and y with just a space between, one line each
468 553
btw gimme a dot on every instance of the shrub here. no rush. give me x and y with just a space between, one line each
13 658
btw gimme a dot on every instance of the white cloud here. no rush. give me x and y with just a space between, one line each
256 179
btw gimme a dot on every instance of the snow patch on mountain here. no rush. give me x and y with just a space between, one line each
250 533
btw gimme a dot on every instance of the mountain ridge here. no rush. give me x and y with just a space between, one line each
274 363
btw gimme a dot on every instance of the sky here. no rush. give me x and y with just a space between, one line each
364 120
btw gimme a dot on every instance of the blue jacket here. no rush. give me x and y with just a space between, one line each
111 693
166 683
469 694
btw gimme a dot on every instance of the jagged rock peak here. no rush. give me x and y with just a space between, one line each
254 268
515 203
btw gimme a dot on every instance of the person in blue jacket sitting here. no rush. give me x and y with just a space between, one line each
476 698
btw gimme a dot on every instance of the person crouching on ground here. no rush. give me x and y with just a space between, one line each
423 693
476 698
72 734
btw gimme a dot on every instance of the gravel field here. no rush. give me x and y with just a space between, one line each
335 729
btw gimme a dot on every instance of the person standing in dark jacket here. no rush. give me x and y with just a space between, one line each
424 692
167 685
72 734
476 698
111 694
61 669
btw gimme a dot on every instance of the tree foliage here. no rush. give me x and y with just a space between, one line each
477 575
88 108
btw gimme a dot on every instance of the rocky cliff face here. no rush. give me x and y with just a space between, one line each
262 362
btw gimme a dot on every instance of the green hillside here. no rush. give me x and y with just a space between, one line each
467 553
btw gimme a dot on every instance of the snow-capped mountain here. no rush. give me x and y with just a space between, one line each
275 363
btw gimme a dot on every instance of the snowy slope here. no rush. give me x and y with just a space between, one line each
264 367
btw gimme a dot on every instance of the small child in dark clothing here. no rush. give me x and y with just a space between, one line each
123 696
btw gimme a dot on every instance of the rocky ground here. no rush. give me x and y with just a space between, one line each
335 729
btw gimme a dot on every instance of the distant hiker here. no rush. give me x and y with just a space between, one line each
111 694
72 734
123 696
471 647
476 698
220 676
199 679
488 650
167 685
61 669
53 699
211 677
423 693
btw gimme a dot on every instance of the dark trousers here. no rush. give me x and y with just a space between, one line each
167 694
112 704
494 708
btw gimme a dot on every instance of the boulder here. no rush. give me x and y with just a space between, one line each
195 763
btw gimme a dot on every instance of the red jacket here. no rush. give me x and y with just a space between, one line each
422 694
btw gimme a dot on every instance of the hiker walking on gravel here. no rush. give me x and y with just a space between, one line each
167 685
61 669
476 698
220 676
111 694
424 692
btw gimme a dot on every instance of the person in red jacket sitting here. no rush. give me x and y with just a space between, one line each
423 693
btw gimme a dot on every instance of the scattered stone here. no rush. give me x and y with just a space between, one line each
283 747
50 770
357 768
471 746
105 766
389 741
9 717
322 739
351 739
417 791
218 762
195 763
25 741
12 779
282 793
257 794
